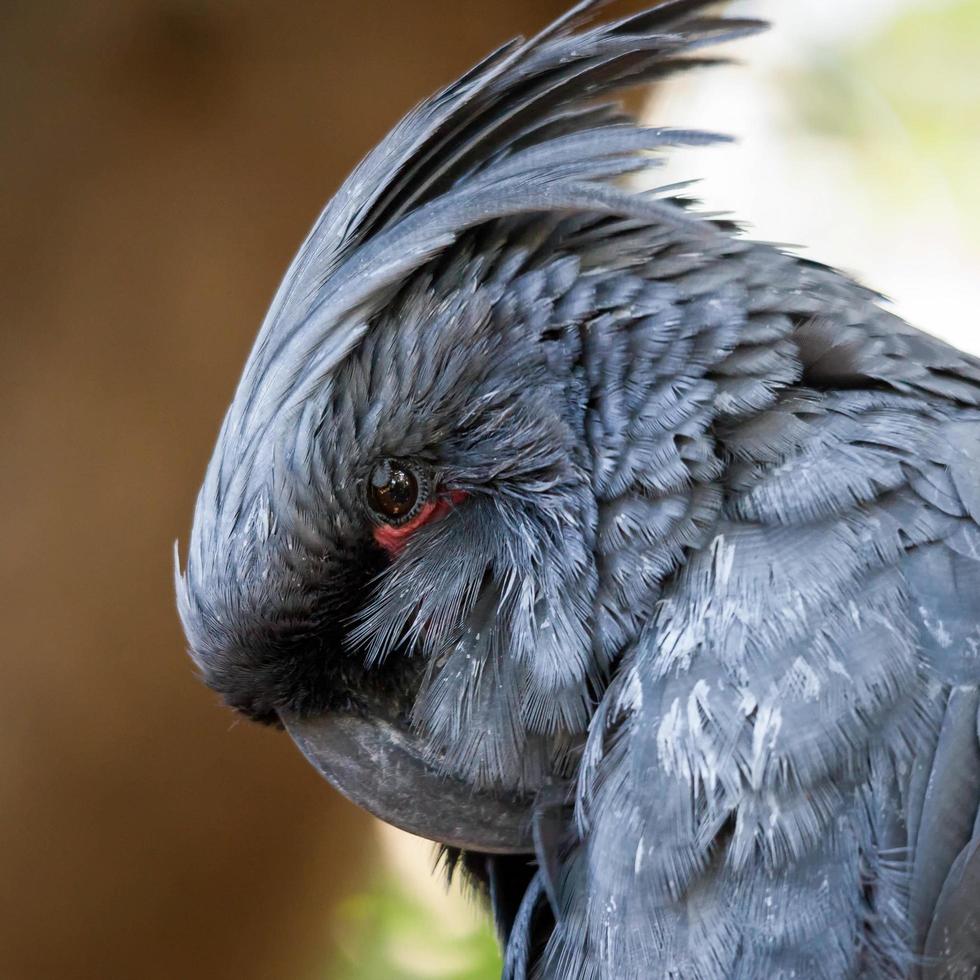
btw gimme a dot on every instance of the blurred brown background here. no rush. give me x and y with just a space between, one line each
160 160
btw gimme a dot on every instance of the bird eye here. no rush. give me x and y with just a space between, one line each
395 491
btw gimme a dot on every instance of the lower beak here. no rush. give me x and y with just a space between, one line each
377 762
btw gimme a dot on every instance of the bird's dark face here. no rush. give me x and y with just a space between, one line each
408 542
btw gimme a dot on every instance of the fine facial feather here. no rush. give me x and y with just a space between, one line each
714 474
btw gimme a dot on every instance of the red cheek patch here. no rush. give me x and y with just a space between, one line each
394 539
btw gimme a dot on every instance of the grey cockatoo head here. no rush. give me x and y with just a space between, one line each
396 542
393 548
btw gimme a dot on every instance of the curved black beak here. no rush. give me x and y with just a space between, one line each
377 762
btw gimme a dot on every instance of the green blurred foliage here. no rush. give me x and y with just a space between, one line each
907 100
386 934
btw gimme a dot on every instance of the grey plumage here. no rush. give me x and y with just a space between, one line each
709 588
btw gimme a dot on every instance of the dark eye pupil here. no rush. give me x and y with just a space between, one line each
392 490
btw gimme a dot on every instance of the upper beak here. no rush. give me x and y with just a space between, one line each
377 762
